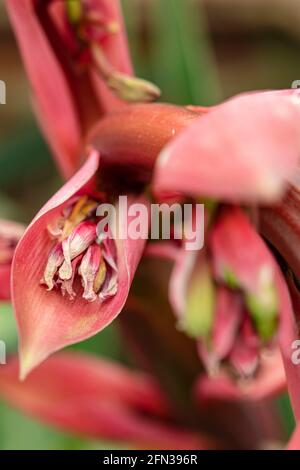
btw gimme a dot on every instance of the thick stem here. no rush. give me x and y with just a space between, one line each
130 140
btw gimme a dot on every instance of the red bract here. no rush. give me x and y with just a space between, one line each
58 252
98 399
10 234
242 150
77 61
52 259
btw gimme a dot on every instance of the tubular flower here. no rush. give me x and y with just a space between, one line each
107 402
80 68
228 296
10 234
77 277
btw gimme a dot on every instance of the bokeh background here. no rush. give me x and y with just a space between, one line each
197 52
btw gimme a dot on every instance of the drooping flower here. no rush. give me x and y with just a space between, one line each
76 57
244 419
59 255
70 280
228 296
10 234
98 399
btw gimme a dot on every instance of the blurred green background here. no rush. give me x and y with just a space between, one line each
197 52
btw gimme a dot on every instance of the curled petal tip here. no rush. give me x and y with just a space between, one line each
27 364
50 320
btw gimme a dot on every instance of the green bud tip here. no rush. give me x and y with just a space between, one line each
198 317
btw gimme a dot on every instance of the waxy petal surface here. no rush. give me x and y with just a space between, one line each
46 320
5 272
52 94
10 234
242 150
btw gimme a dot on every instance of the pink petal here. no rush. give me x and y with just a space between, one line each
245 353
52 93
47 321
269 381
10 233
65 101
227 320
238 248
97 399
181 274
5 271
242 259
11 230
242 150
163 250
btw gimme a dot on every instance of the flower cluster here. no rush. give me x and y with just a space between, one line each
233 303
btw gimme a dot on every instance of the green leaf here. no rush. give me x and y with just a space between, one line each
184 63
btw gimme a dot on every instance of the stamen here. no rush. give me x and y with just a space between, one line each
100 277
67 285
79 252
55 260
88 271
81 210
110 285
76 243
